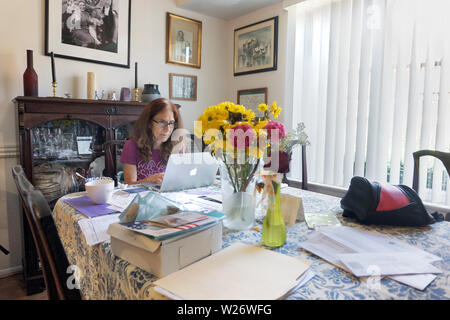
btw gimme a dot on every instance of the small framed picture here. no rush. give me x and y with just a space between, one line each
183 41
182 87
89 30
255 47
252 98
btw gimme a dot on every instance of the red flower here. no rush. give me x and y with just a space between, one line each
274 127
283 163
241 136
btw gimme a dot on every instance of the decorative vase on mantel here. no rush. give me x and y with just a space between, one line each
150 93
30 78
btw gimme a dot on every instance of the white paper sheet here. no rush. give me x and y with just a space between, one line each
384 264
351 240
94 229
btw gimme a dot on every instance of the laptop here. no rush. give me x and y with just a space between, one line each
187 171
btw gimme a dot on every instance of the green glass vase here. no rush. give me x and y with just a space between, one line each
273 230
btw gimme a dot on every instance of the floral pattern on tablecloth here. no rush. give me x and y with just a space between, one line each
105 276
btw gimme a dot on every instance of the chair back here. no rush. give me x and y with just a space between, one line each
46 239
304 172
443 156
110 148
52 247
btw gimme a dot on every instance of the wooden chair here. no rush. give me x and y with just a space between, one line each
304 172
45 235
110 148
443 156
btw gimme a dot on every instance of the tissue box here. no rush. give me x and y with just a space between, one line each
164 257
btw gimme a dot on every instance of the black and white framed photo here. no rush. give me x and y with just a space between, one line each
182 87
255 47
95 31
252 98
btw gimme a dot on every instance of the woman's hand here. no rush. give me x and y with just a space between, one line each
156 178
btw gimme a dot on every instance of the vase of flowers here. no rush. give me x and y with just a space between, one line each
238 140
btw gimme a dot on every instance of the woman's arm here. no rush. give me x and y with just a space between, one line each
130 176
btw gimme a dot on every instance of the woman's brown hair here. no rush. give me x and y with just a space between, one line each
143 134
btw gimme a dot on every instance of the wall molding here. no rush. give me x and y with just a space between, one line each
9 151
5 273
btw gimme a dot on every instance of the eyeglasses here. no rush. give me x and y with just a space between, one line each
162 123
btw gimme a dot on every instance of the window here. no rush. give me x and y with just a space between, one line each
371 82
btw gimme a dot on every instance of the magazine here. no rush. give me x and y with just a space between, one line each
169 226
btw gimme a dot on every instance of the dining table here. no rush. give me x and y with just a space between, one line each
104 276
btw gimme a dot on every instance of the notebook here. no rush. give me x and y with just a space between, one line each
238 272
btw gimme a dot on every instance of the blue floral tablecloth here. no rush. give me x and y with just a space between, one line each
105 276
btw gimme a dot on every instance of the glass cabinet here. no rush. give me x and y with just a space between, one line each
59 137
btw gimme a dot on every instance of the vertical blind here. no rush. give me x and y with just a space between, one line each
371 82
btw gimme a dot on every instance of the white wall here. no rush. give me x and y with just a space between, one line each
23 25
273 80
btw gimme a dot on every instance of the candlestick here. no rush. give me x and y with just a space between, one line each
54 85
136 75
53 67
136 94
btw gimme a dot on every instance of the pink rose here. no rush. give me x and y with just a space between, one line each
275 131
242 136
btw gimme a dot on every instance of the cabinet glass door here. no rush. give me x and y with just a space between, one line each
60 149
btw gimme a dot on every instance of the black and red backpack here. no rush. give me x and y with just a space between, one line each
386 204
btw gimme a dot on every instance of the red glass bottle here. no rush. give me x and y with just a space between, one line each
30 78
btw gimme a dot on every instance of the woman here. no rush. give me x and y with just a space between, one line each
146 154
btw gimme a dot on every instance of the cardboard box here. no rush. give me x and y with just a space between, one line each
164 257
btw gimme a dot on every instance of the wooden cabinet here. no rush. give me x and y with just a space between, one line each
42 119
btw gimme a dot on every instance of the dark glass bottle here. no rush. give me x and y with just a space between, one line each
30 78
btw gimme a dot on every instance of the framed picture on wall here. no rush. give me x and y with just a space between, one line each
183 41
252 98
255 47
182 87
95 31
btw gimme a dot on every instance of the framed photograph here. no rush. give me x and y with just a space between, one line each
183 41
182 87
255 47
252 98
95 31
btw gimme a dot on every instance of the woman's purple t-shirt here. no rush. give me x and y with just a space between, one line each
130 155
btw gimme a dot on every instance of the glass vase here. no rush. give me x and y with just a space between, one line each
274 230
238 198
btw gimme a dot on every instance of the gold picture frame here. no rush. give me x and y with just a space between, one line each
252 98
182 87
183 41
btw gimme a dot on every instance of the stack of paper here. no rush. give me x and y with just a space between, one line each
239 272
370 254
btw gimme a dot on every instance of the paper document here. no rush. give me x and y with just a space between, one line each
329 242
121 199
238 272
384 264
94 229
315 220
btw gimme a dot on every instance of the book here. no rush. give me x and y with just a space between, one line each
238 272
173 225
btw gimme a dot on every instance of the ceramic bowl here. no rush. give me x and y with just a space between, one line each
100 190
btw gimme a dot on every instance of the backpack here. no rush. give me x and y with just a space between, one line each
385 204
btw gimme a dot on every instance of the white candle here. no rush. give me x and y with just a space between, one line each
91 85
